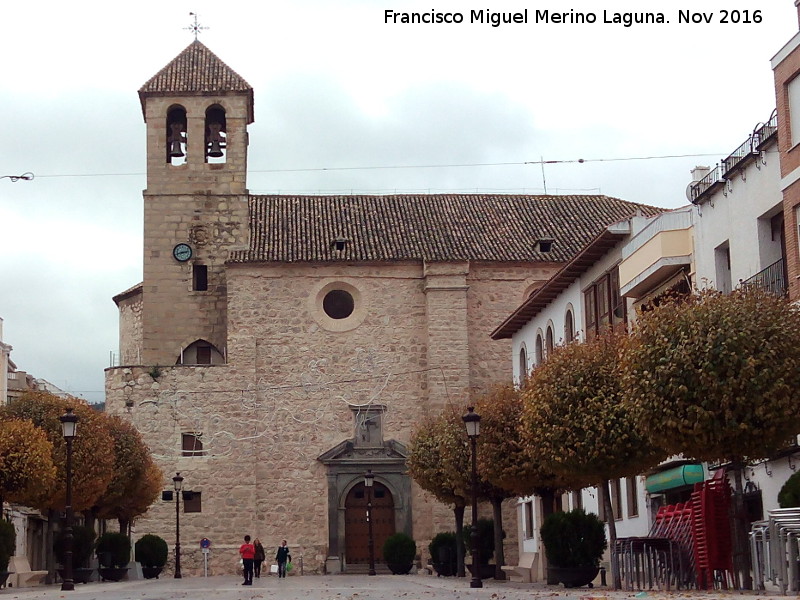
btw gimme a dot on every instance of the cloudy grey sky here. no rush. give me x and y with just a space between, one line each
336 86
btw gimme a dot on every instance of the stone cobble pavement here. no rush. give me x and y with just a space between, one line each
352 587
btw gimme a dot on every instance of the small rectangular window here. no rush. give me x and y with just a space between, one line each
793 95
590 310
203 355
192 502
603 303
577 500
633 497
192 445
618 308
200 278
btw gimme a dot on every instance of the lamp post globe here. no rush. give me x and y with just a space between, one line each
472 421
178 483
69 429
369 478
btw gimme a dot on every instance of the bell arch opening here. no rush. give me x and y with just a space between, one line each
176 135
216 135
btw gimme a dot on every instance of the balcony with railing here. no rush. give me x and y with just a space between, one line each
656 253
749 149
738 156
772 279
767 131
707 184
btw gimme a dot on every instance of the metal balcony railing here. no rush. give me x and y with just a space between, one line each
751 147
772 279
766 131
701 187
748 148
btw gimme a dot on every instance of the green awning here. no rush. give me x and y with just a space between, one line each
673 478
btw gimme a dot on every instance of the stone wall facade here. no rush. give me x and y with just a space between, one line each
293 388
130 327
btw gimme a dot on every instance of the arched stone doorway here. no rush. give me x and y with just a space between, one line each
356 527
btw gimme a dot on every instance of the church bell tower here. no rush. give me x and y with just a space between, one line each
196 110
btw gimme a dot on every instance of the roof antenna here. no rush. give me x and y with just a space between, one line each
195 27
544 181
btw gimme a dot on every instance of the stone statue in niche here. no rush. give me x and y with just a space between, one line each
368 426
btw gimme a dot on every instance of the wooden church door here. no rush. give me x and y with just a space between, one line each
356 528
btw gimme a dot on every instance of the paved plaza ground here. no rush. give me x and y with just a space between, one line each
348 587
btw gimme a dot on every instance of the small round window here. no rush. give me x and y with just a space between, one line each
338 304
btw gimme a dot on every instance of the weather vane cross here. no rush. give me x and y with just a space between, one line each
195 27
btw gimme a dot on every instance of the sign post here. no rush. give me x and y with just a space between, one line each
205 544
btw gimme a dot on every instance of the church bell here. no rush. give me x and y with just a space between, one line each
175 139
175 149
214 140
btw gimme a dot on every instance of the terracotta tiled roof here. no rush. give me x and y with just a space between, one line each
196 70
443 227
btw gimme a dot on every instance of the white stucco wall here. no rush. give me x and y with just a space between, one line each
556 312
739 214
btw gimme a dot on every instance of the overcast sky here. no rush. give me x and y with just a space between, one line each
337 86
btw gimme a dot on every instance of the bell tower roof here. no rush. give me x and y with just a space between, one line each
197 71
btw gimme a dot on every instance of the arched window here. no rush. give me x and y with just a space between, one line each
200 352
176 135
569 327
548 340
216 135
523 364
539 350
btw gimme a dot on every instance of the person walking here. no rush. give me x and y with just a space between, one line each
247 551
258 558
282 557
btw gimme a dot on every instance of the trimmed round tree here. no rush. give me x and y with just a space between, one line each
717 378
137 479
93 455
575 417
508 466
439 462
26 460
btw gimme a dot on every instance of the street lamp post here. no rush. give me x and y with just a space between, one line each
178 481
69 427
369 477
473 422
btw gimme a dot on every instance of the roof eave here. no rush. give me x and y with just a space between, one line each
539 299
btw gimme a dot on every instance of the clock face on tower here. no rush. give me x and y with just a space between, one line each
182 252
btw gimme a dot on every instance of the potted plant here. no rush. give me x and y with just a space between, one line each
574 543
485 546
789 494
82 544
114 553
444 553
399 551
151 551
8 544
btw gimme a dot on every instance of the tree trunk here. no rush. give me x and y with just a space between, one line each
499 553
605 496
741 545
548 499
458 511
124 526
